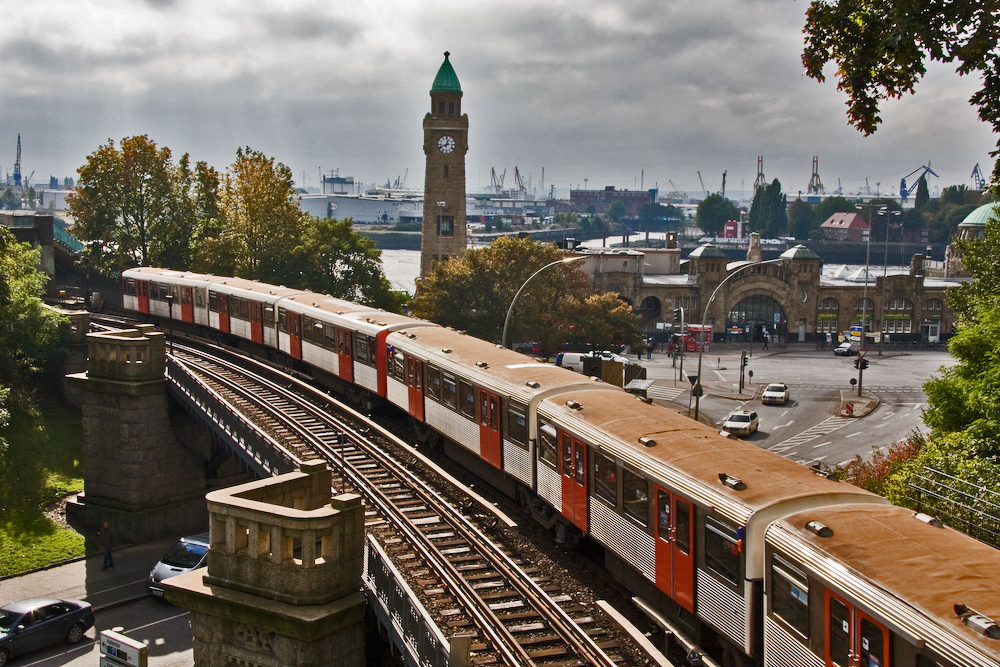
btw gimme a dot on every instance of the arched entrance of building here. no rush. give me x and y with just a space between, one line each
755 317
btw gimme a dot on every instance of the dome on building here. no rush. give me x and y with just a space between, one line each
981 216
800 252
446 80
707 251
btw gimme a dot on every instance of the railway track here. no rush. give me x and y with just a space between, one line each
469 584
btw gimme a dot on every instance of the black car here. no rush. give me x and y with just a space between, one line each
39 622
845 349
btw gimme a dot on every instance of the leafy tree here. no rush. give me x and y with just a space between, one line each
122 202
714 211
603 320
823 210
336 260
473 292
9 200
616 212
29 332
768 213
657 211
800 219
880 50
923 194
260 222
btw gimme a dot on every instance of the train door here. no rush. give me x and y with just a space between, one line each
294 334
489 427
223 301
415 385
573 469
142 295
674 552
187 304
256 321
344 347
853 638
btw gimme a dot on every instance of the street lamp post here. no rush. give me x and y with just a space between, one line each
704 318
864 302
506 322
170 319
885 266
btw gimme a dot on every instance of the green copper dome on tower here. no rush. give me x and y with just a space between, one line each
446 80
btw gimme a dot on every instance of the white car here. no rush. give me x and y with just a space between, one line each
775 393
741 422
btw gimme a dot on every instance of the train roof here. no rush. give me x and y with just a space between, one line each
175 277
930 566
692 456
250 288
505 368
366 319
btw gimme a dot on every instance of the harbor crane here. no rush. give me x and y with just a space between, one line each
517 179
904 192
702 185
977 178
496 183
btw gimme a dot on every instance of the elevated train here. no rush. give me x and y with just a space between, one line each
762 560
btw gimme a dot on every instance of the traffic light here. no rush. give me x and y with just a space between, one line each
864 364
857 363
745 360
677 315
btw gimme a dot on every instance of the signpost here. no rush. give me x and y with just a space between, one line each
117 650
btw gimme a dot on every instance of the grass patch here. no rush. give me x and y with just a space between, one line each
44 462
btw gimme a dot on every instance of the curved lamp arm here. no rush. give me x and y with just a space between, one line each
506 322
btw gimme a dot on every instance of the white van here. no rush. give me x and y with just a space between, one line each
573 360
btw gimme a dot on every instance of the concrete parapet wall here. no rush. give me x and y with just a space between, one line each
129 355
285 538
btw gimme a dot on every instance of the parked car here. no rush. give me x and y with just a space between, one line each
845 349
775 393
741 422
39 622
530 348
187 554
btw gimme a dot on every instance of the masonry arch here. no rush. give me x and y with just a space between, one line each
754 315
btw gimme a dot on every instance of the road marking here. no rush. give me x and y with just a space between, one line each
826 426
888 414
853 435
823 444
783 425
162 620
664 393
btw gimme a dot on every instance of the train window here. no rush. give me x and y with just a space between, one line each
517 425
635 496
449 392
398 365
329 337
154 291
130 286
307 328
547 444
567 455
245 309
317 333
199 297
840 633
790 596
362 350
578 453
283 322
468 396
213 301
343 342
605 478
434 383
683 519
722 553
268 316
663 514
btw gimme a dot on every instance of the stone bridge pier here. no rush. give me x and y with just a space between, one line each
136 474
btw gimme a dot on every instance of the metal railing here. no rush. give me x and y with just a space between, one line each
972 509
66 239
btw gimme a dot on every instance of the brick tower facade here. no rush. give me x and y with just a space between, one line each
446 133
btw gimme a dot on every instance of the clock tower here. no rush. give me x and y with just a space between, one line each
446 133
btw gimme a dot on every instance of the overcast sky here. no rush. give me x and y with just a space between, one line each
627 93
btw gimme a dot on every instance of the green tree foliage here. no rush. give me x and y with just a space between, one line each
260 222
714 211
121 202
880 49
616 212
29 332
336 260
603 320
923 194
661 212
473 292
823 210
769 211
801 219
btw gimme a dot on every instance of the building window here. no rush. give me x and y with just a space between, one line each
829 304
451 108
446 225
441 107
934 304
446 172
864 305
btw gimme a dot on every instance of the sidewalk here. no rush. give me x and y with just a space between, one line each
84 580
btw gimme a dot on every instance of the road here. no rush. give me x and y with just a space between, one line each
809 428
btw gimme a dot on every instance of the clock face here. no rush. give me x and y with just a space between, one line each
446 144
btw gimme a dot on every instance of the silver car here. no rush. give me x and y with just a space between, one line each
187 554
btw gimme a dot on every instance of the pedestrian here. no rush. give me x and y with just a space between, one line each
767 338
107 540
639 354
